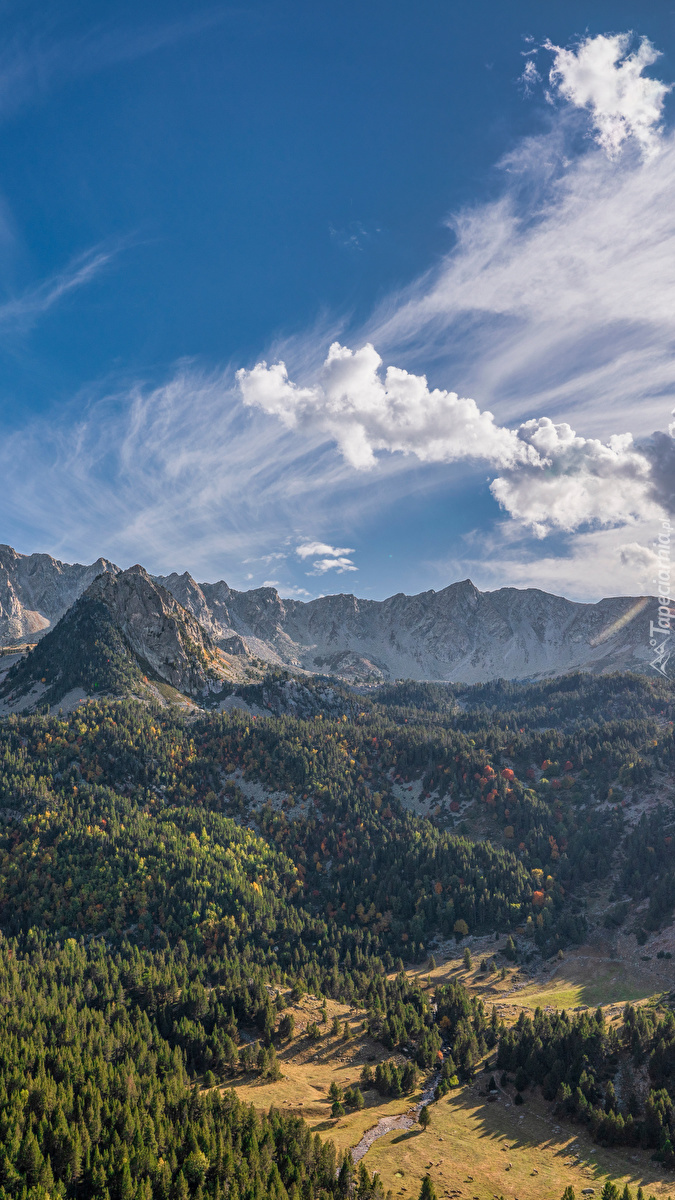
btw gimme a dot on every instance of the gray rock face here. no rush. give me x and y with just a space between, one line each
36 590
160 630
459 633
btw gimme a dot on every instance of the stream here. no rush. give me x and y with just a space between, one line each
403 1121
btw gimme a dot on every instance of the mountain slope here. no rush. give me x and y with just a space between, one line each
36 590
124 628
459 633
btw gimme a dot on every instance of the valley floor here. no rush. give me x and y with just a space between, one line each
474 1148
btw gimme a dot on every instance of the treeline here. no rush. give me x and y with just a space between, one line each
576 1060
95 1099
363 864
152 919
551 703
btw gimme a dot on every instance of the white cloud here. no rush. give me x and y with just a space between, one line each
559 296
363 412
21 311
601 76
554 478
34 56
176 476
289 592
584 567
307 549
530 76
579 481
340 565
335 559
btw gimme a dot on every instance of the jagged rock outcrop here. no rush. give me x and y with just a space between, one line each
213 615
36 590
160 631
123 633
459 633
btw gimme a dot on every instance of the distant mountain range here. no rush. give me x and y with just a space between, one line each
192 635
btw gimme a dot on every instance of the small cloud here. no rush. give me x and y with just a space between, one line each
334 558
638 557
270 583
530 76
308 549
354 237
601 76
290 593
332 564
23 310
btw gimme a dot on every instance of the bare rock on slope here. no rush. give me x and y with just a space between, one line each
123 631
459 634
160 631
36 590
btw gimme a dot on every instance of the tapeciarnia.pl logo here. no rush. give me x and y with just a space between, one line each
660 631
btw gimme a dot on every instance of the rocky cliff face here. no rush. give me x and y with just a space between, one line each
124 634
160 631
36 590
459 633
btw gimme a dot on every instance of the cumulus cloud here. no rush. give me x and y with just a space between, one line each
552 477
580 481
600 75
334 557
321 565
364 412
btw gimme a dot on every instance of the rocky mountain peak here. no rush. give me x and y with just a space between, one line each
457 633
36 590
124 632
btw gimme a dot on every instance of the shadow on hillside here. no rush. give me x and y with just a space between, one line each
535 1128
405 1137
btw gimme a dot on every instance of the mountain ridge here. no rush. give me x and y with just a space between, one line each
122 631
458 633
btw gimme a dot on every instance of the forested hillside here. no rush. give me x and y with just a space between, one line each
164 879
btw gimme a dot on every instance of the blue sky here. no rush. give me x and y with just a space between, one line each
481 192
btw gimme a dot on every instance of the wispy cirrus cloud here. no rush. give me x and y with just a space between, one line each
558 299
19 312
39 53
175 474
